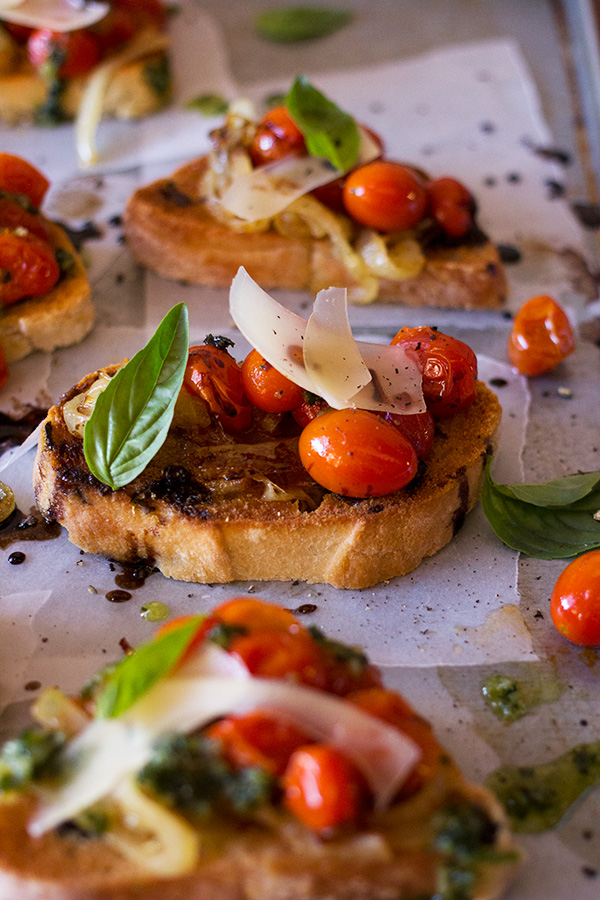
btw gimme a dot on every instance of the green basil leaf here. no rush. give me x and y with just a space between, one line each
135 674
328 131
300 23
556 531
132 415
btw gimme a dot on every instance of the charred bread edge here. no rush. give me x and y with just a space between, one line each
60 318
172 233
345 543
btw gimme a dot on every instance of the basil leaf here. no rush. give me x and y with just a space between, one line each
300 23
328 131
132 415
134 675
550 529
208 105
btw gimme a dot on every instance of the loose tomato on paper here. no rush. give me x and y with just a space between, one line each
449 368
215 376
354 453
28 267
451 205
575 600
386 196
17 176
541 336
267 388
276 137
323 788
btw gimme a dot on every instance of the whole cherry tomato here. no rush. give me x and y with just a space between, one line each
575 600
449 368
72 53
258 739
354 453
277 136
323 788
255 615
17 176
28 267
385 196
294 656
331 194
14 215
216 377
311 407
267 388
418 428
3 369
451 205
541 336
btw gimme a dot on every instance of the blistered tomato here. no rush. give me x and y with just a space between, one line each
17 176
258 739
216 377
28 267
354 453
541 336
323 788
418 428
311 407
277 136
449 368
267 388
73 53
451 205
14 215
385 196
575 600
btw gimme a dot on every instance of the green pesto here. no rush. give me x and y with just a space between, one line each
157 75
537 797
33 755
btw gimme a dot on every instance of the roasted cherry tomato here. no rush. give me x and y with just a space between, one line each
216 377
392 708
14 215
575 600
19 33
124 19
323 788
418 428
451 205
385 195
311 407
354 453
277 136
541 336
3 369
267 388
17 176
255 615
69 53
449 368
258 739
331 194
294 656
28 267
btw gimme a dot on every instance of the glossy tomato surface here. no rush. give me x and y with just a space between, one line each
71 53
418 428
323 788
258 739
452 205
267 388
215 376
386 196
277 136
354 453
449 368
541 336
15 215
17 176
28 267
575 600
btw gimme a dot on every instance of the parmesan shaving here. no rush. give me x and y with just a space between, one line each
57 15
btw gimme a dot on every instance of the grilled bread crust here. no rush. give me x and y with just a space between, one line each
213 525
59 318
169 230
391 859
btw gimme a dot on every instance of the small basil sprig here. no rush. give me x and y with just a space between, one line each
132 415
553 520
286 25
135 674
328 131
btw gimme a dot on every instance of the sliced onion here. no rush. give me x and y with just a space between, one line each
78 410
57 15
396 261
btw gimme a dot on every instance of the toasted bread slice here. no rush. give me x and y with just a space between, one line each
198 511
62 317
170 230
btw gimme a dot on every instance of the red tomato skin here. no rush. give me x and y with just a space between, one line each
277 136
541 337
354 453
256 615
3 369
267 388
216 377
449 369
12 215
19 33
81 50
125 19
28 267
385 196
575 600
309 410
258 739
331 194
17 176
418 428
323 788
452 205
293 656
